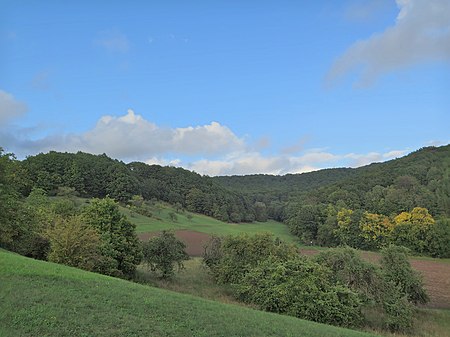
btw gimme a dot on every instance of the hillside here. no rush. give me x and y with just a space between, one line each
45 299
285 184
423 174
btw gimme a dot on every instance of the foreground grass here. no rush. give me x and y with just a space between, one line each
202 223
45 299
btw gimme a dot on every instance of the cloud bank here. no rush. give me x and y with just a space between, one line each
211 149
421 33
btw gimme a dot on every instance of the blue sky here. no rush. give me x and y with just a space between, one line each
226 87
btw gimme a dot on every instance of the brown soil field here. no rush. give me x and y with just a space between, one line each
436 274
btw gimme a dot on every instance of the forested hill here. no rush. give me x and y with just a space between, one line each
421 178
286 184
98 176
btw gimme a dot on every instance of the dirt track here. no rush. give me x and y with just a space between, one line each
436 274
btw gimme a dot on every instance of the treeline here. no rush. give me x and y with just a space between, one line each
98 176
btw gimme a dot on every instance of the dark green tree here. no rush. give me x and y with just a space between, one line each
120 248
164 251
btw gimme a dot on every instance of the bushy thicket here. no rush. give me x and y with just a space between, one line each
331 288
302 288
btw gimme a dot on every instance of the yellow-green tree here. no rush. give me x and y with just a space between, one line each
73 243
376 229
347 230
411 229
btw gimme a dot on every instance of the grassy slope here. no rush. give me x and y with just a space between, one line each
45 299
204 224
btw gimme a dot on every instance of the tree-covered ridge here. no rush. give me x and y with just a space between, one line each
285 184
419 179
100 176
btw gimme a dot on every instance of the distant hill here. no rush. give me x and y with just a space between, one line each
421 178
46 299
290 183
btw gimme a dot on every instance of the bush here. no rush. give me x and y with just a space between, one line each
351 270
302 288
398 310
233 256
397 270
162 252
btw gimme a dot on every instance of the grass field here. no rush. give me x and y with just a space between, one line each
201 223
44 299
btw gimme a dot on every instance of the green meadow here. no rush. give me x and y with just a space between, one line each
161 220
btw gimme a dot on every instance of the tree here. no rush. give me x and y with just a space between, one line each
73 243
260 211
412 228
348 230
162 252
306 221
376 229
120 247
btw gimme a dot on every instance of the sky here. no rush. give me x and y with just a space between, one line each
226 87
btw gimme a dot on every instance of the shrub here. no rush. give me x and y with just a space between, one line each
232 257
302 288
397 270
351 270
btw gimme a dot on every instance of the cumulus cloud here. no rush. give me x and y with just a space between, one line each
421 33
211 149
132 137
113 41
10 108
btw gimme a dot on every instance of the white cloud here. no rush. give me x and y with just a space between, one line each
132 137
10 108
113 41
211 149
421 33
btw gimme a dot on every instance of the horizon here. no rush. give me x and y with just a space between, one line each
227 88
250 174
